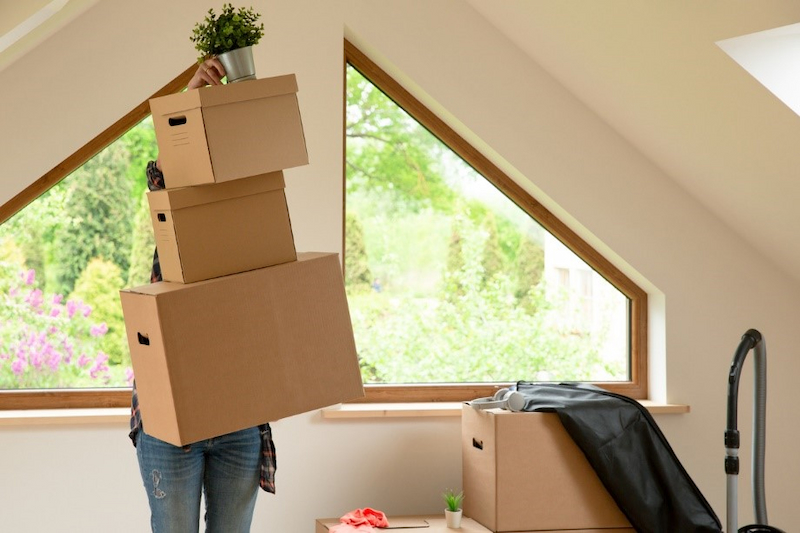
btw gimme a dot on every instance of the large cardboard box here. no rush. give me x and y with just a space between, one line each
225 132
223 228
523 472
229 353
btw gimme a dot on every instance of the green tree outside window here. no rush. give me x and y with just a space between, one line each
460 290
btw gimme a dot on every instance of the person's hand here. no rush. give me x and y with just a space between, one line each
210 72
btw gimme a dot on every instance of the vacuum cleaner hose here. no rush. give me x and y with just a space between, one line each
759 431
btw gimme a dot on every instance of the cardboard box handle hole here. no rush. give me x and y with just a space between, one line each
477 444
177 121
143 339
162 217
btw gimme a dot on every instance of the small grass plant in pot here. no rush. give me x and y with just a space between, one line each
452 512
230 37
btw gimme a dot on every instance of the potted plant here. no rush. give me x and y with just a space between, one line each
229 37
452 512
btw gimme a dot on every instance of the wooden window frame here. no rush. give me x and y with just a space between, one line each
94 397
636 387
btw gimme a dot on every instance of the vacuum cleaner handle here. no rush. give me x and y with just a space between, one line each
749 340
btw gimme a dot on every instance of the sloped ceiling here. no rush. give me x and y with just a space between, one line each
27 23
652 70
14 13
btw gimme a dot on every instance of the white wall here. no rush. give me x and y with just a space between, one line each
706 285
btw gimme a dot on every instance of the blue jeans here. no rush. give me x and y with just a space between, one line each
226 468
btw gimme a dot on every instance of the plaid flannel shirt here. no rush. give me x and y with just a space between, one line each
268 463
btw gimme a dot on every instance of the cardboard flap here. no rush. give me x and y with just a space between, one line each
247 90
223 94
175 103
165 287
153 289
183 197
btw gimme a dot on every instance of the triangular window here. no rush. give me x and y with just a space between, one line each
452 278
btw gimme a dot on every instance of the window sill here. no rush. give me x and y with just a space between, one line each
417 410
52 417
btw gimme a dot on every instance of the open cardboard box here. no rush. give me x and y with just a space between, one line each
522 472
224 132
225 354
218 229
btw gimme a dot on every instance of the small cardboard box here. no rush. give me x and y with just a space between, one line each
223 228
225 132
229 353
523 472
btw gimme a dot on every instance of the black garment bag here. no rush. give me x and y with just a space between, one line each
631 456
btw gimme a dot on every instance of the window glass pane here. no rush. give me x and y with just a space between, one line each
63 260
448 280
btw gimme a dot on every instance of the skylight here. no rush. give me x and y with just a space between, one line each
773 58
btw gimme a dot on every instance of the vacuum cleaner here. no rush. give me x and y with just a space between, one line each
751 340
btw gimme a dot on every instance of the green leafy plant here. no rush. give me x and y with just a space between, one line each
234 28
453 499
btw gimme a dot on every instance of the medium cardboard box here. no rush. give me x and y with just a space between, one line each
225 132
523 472
229 353
222 228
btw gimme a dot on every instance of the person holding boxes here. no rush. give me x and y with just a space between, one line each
228 469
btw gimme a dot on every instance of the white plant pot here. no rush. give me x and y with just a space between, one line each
239 65
453 518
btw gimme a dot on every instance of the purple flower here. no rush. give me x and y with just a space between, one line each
36 358
35 298
72 306
87 309
83 360
129 376
55 311
53 358
18 366
98 330
67 350
99 365
29 277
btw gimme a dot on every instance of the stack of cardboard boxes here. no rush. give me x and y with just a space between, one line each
243 330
